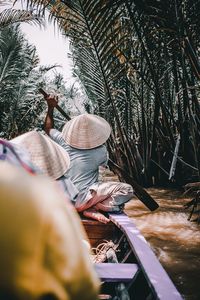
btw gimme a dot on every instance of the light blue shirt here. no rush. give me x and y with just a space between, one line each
84 164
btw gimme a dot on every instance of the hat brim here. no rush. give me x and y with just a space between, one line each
86 131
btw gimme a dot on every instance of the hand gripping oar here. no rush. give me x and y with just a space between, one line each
57 106
141 194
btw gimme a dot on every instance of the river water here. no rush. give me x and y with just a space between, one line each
174 239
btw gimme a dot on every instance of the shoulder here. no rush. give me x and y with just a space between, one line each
56 135
101 155
101 149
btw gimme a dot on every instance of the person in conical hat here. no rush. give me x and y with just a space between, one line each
48 158
44 153
41 241
84 139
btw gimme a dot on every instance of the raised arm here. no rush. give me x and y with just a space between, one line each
52 101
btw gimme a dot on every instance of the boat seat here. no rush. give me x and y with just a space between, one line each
116 272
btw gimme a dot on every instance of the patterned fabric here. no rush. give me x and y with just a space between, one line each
15 155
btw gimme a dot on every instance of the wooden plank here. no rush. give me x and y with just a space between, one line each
98 231
91 222
114 272
161 285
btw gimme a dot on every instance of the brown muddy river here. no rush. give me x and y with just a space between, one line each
174 239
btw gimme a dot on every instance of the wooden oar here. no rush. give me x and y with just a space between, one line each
141 193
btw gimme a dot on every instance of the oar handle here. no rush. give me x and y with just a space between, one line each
43 92
63 112
57 106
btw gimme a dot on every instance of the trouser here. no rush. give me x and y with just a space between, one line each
105 196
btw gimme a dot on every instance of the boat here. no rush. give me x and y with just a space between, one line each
125 263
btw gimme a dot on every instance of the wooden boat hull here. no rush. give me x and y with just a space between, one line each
125 263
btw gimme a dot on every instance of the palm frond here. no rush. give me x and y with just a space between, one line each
46 68
11 16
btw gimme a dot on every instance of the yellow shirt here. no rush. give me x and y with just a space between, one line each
41 241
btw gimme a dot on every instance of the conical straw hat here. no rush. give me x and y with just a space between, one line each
86 131
44 153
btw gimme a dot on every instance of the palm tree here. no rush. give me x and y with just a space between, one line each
17 61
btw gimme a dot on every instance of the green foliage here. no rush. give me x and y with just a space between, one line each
18 60
22 108
11 16
139 64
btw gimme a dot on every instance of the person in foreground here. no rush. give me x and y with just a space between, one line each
42 253
84 139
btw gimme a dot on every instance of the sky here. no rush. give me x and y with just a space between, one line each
52 47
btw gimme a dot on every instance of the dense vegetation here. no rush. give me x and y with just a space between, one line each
138 62
22 108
